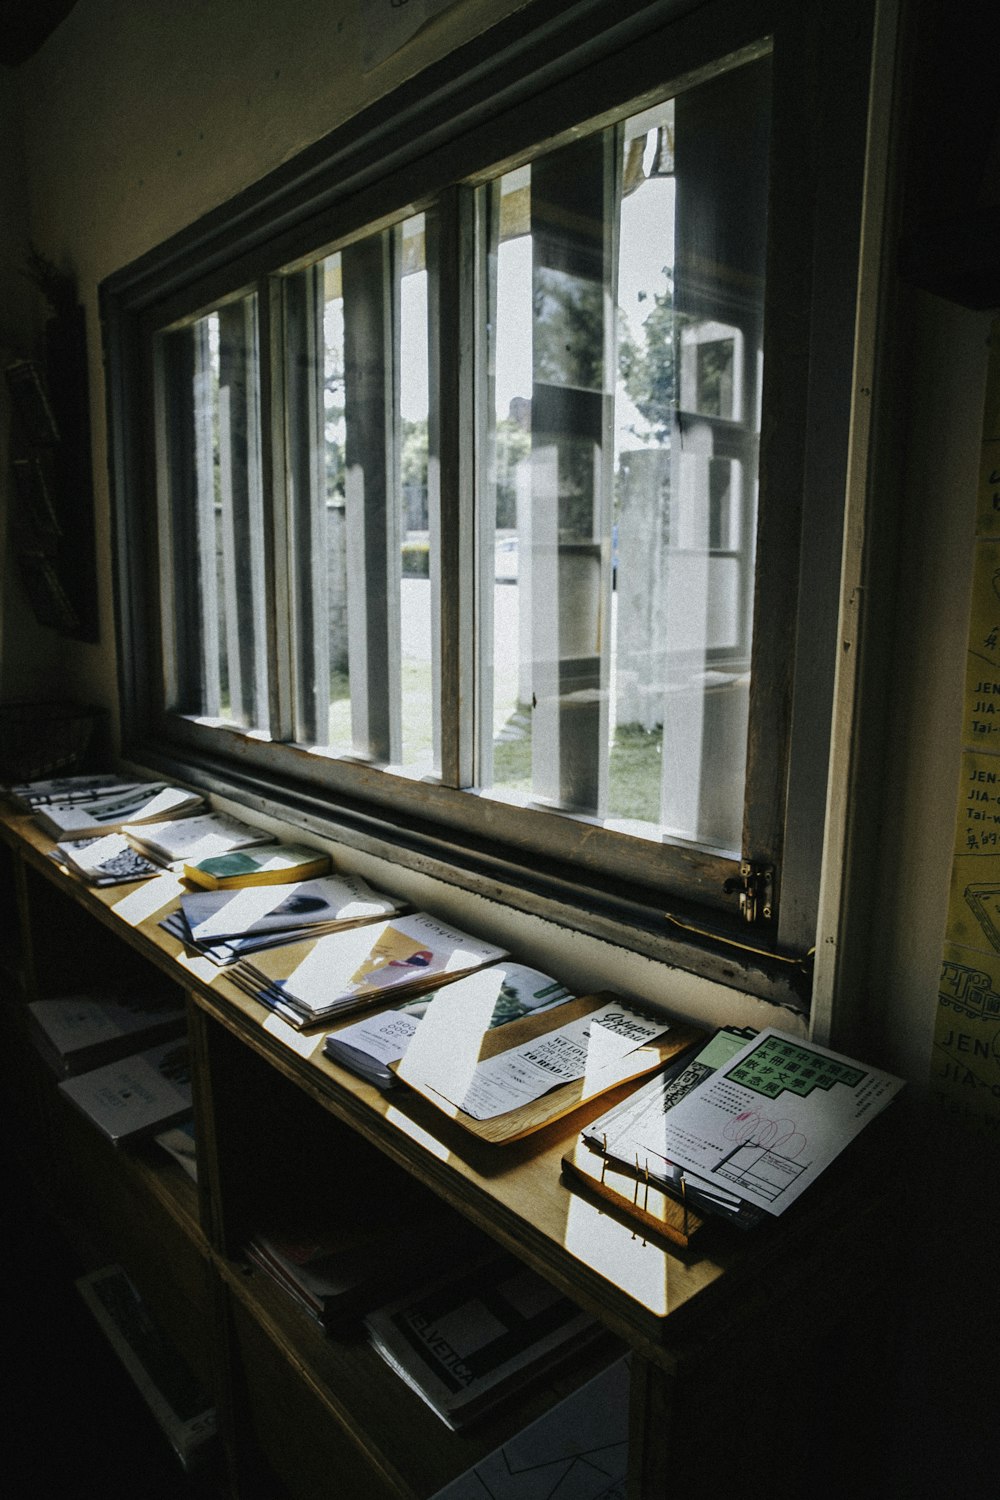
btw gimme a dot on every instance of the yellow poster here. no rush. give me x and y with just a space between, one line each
988 507
966 1059
965 1066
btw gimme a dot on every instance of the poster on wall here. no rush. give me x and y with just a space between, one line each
386 25
965 1066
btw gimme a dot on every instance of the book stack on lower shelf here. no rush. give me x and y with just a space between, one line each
467 1340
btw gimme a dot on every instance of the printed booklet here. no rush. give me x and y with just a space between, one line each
195 838
504 992
307 983
77 1032
137 1096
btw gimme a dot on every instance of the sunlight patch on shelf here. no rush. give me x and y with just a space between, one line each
148 899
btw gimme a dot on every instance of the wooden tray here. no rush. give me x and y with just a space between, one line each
631 1193
440 1066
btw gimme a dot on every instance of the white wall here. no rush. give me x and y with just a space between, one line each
30 659
142 115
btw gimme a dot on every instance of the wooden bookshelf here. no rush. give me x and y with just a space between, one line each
719 1333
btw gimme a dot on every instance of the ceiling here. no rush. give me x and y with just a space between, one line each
25 24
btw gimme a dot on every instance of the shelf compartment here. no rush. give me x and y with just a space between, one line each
403 1448
121 1205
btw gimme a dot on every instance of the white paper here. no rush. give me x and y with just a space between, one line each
383 1037
768 1121
583 1048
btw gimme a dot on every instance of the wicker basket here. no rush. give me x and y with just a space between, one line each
43 739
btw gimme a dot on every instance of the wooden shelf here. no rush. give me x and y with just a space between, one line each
278 1122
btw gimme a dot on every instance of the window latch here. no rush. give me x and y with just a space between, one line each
755 885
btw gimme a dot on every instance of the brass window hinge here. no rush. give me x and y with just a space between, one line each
755 885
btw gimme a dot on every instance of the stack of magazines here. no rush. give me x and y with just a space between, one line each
370 1047
226 925
309 982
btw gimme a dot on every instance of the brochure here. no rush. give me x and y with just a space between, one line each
369 1046
770 1119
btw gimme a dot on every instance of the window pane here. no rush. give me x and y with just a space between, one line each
363 544
625 278
212 512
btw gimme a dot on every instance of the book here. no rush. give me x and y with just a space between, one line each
166 1383
145 803
505 1083
466 1340
195 838
277 864
79 1032
370 1046
308 982
340 1269
105 859
138 1095
30 795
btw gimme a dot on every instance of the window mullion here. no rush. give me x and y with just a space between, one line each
274 489
451 260
370 336
572 195
305 474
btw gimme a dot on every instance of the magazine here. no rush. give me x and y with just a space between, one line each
195 838
77 1032
138 1095
464 1341
105 859
215 916
146 803
31 795
306 983
370 1046
577 1451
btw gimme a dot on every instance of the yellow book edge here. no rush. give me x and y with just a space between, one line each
285 876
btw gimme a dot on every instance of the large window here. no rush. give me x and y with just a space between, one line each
460 525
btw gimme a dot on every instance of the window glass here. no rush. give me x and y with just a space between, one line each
212 518
363 550
622 353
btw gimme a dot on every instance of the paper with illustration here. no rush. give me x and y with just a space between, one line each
768 1121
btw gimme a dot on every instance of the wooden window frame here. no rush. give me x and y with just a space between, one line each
499 100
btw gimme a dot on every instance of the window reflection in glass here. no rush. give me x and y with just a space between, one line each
357 421
622 358
212 515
